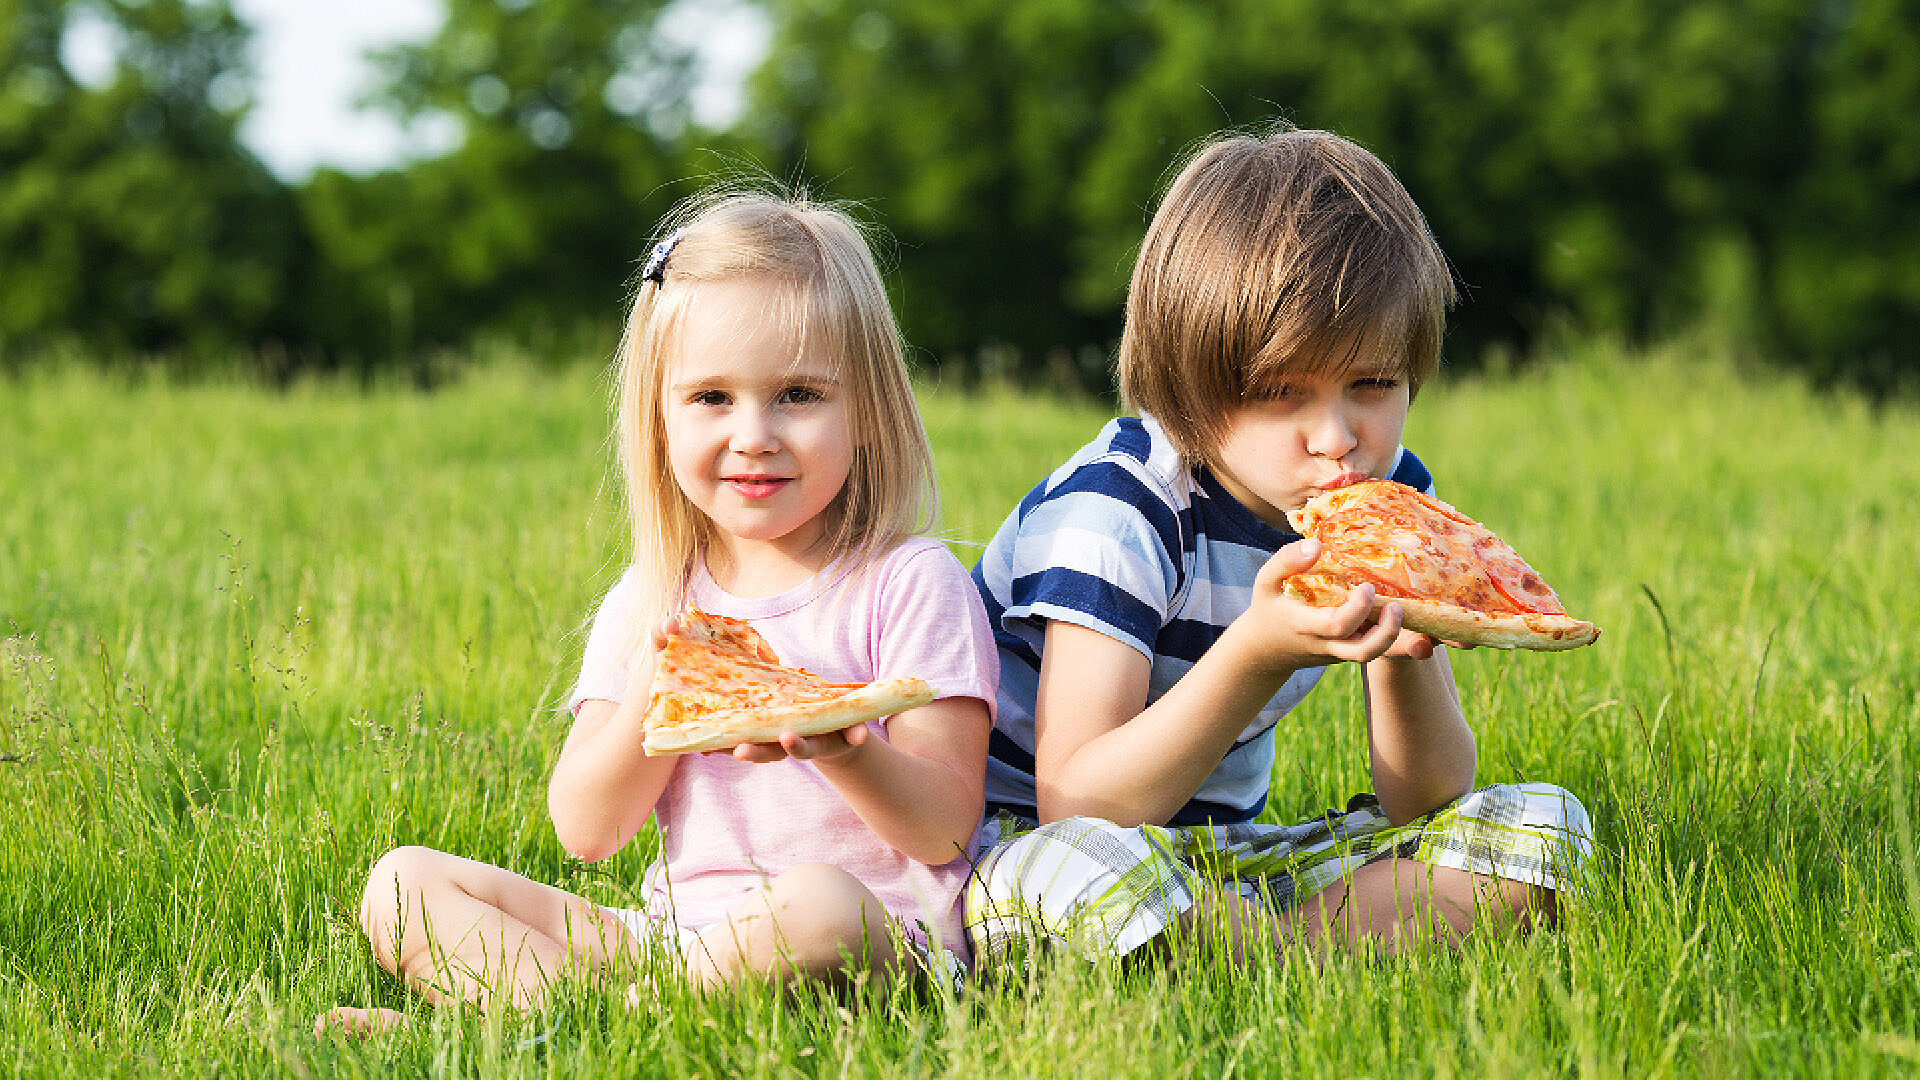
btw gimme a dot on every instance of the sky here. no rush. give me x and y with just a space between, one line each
308 60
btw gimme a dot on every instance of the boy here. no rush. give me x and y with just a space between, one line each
1287 305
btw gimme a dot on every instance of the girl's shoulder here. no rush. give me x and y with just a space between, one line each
916 556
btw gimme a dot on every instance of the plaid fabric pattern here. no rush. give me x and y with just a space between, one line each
1098 888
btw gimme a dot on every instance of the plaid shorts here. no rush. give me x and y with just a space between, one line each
1100 889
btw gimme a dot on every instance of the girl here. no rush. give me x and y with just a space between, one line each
776 471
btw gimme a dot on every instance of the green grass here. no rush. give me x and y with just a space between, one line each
253 639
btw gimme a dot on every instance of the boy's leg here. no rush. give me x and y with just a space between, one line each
814 921
1391 904
455 928
1395 903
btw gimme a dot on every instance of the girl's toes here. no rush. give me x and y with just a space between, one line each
358 1023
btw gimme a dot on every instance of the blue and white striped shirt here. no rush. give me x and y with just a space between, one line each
1127 540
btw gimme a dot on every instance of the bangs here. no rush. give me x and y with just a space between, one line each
792 308
1375 345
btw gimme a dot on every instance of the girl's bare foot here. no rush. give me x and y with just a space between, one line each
358 1023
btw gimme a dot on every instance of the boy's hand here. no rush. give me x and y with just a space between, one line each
1297 635
1414 645
1350 631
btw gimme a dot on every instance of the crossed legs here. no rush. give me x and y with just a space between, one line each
456 929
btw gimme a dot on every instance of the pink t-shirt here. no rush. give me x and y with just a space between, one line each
726 826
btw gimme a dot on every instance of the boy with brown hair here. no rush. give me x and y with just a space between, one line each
1288 303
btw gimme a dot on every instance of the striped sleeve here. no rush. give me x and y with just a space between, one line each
1101 550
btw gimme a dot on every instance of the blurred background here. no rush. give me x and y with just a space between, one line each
1741 172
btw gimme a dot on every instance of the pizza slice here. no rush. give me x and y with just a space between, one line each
1450 575
718 684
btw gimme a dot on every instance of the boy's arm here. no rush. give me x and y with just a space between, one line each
604 785
920 789
1100 751
1421 747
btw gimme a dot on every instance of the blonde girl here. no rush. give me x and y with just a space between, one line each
776 471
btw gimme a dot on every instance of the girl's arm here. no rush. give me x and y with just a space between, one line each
604 785
1421 747
920 789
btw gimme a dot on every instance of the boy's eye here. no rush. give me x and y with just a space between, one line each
1378 384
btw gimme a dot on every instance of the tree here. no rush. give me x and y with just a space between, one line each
130 215
965 126
1633 166
574 115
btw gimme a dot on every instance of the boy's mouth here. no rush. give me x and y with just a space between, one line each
1345 479
757 487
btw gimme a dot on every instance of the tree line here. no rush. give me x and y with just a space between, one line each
1748 168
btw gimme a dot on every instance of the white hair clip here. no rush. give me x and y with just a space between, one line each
656 269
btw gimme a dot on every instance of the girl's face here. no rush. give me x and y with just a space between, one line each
1313 433
757 424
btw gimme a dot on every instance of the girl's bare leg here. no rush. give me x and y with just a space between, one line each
812 922
456 929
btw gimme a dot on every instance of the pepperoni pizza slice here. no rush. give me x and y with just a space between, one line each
718 684
1452 578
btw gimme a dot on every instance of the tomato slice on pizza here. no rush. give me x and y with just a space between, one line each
718 684
1450 575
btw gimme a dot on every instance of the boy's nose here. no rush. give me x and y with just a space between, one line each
1331 434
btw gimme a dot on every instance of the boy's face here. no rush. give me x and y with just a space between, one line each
1312 433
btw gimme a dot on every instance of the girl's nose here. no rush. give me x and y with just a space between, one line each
753 433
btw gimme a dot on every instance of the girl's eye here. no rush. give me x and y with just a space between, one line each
714 398
799 395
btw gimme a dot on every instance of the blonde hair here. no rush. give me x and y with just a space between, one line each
1286 253
826 287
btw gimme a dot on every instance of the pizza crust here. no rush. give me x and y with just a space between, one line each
669 734
1448 622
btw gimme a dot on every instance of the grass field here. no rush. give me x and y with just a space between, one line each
253 639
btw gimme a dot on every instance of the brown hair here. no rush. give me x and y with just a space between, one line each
823 284
1292 252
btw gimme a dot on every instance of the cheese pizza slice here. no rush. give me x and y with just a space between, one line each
718 684
1453 578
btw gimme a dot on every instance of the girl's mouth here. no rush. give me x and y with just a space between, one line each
757 487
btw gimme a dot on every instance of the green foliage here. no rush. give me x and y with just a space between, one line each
248 640
1640 167
574 116
967 126
130 216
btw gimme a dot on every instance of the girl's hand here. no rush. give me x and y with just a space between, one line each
831 748
640 677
